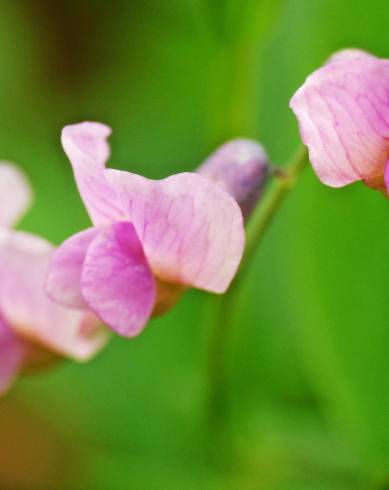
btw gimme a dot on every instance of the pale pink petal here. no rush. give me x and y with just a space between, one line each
240 167
191 229
24 260
350 54
87 149
343 114
63 281
15 194
11 355
117 282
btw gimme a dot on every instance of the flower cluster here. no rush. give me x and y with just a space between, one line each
150 240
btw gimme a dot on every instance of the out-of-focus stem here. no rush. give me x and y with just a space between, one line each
284 180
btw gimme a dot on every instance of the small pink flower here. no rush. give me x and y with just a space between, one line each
150 239
343 114
31 324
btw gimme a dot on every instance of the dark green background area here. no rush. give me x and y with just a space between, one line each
307 395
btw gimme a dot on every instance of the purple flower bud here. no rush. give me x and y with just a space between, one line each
241 168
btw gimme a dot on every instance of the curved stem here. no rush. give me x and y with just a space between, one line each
284 181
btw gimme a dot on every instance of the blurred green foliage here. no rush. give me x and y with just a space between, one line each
308 370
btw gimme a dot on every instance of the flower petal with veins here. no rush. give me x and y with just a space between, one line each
116 280
87 148
191 229
343 115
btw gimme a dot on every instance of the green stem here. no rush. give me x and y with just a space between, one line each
265 211
284 181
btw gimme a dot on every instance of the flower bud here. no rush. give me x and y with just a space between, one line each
240 167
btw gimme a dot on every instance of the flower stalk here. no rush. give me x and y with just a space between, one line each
283 182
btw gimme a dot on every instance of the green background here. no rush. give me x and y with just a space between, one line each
307 394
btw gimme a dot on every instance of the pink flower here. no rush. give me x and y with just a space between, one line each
31 324
150 240
343 114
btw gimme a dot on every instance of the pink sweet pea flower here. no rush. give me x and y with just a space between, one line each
151 238
31 324
343 115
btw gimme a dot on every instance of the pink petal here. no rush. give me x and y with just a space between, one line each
191 229
343 114
15 194
63 281
24 260
349 54
87 149
240 167
11 355
117 282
